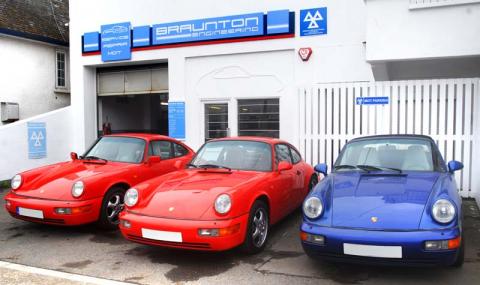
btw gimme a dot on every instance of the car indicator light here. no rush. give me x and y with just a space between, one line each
126 224
73 210
7 204
219 232
316 239
433 245
454 243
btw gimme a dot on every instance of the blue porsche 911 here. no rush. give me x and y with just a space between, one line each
388 200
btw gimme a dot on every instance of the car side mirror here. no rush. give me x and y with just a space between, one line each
73 155
454 166
154 159
321 168
284 165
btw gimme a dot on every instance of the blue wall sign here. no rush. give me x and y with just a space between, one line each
372 100
208 29
91 42
278 22
176 120
116 42
37 140
141 36
313 22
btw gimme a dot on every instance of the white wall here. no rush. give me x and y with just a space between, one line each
338 56
14 142
27 76
395 32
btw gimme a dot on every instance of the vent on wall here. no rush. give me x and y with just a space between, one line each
9 112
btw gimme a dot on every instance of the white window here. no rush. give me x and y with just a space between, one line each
61 70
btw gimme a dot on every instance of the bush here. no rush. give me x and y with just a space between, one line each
4 184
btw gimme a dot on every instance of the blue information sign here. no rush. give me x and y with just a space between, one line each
208 29
176 120
313 22
278 22
141 36
37 140
115 40
91 42
372 100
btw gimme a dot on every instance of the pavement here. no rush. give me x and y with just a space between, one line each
91 252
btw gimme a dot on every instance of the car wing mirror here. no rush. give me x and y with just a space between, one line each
154 159
73 155
284 165
454 166
321 168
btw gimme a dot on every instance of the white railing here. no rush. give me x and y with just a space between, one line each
446 110
420 4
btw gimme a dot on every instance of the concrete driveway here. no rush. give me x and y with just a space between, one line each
89 251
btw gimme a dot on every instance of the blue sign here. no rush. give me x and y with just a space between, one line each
313 22
372 100
208 29
115 39
37 140
91 42
176 120
141 36
278 22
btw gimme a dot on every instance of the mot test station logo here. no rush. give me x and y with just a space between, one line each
313 22
305 53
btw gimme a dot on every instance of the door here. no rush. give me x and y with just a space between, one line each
299 181
216 120
286 185
165 150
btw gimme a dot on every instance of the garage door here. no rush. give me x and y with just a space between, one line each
447 110
131 82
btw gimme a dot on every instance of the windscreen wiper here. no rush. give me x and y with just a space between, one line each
191 165
91 157
347 166
213 166
378 168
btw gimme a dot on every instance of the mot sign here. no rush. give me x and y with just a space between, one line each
116 43
37 140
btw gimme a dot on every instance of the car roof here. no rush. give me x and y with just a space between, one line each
144 136
394 136
250 138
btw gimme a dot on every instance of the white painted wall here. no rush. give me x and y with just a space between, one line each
14 142
27 76
394 32
338 56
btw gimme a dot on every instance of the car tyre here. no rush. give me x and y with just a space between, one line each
112 205
461 254
257 229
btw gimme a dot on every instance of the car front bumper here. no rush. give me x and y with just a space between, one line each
190 239
412 245
90 210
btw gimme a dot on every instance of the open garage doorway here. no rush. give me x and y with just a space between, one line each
133 99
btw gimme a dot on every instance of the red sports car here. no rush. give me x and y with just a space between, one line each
232 191
91 187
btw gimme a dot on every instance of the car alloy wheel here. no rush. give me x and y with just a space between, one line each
114 207
259 227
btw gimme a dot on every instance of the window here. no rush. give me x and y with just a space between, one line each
282 153
179 150
259 117
296 157
161 148
60 69
216 121
120 149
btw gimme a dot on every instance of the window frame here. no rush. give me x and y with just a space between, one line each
180 145
65 74
172 151
289 154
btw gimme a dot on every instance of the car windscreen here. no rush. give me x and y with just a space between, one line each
239 155
119 149
401 154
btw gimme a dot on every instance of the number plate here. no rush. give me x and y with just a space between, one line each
30 213
372 250
161 235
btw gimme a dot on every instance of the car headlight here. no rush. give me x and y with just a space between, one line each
77 189
16 182
131 197
223 204
443 211
313 207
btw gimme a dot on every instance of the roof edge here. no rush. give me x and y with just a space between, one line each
33 37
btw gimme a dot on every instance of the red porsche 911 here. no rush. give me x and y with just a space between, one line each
232 191
91 187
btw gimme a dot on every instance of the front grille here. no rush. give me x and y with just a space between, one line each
45 221
186 245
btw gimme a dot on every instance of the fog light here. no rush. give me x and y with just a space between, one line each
433 245
63 211
219 232
316 239
208 232
126 224
73 210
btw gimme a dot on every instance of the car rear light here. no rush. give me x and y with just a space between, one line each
126 224
219 232
316 239
73 210
433 245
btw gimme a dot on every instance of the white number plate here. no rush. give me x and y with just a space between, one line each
372 250
161 235
30 213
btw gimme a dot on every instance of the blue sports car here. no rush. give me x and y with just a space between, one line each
388 200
